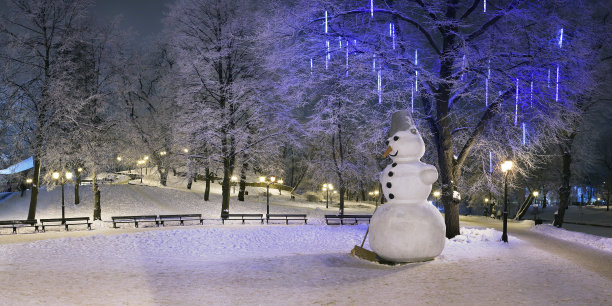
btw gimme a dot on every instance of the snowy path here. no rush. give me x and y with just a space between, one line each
592 259
284 265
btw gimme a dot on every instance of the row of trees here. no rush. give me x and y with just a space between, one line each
232 89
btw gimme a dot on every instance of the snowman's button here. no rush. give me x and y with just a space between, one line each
393 164
388 185
390 173
391 196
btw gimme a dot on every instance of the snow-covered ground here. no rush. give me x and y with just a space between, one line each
236 264
602 243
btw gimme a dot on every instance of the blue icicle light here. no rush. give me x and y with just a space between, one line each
325 22
379 86
557 86
516 103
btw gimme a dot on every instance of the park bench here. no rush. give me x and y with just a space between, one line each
343 218
242 217
14 224
135 219
286 217
68 221
181 218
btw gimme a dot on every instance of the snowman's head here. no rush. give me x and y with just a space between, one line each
405 143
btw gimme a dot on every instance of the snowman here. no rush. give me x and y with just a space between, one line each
407 228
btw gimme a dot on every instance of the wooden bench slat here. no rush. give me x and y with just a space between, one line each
355 218
14 224
287 217
242 217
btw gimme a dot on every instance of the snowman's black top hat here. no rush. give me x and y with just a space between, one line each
400 121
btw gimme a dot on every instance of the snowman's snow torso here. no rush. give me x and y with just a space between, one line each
407 228
402 183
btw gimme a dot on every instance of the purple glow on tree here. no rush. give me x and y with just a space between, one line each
524 134
548 79
484 6
531 94
340 42
561 38
490 162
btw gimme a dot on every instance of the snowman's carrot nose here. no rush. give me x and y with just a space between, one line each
389 149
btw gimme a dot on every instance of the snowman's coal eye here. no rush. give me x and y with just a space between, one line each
413 131
395 138
386 142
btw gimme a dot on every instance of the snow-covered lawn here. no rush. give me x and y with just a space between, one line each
236 264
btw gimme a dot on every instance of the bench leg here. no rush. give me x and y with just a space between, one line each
89 226
14 230
287 221
182 222
66 227
136 224
201 221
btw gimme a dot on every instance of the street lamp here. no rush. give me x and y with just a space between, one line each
68 176
146 160
234 179
327 188
376 193
281 186
436 195
262 179
140 163
506 167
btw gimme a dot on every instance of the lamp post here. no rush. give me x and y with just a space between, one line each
140 163
327 187
62 180
263 179
146 159
280 187
535 202
119 159
376 193
234 179
506 167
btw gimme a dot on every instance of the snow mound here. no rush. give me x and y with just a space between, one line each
472 235
601 243
475 243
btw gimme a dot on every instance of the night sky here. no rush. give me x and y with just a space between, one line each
143 16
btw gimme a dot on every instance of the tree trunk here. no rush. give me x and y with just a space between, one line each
77 183
242 181
163 176
544 201
97 214
565 189
34 193
207 185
